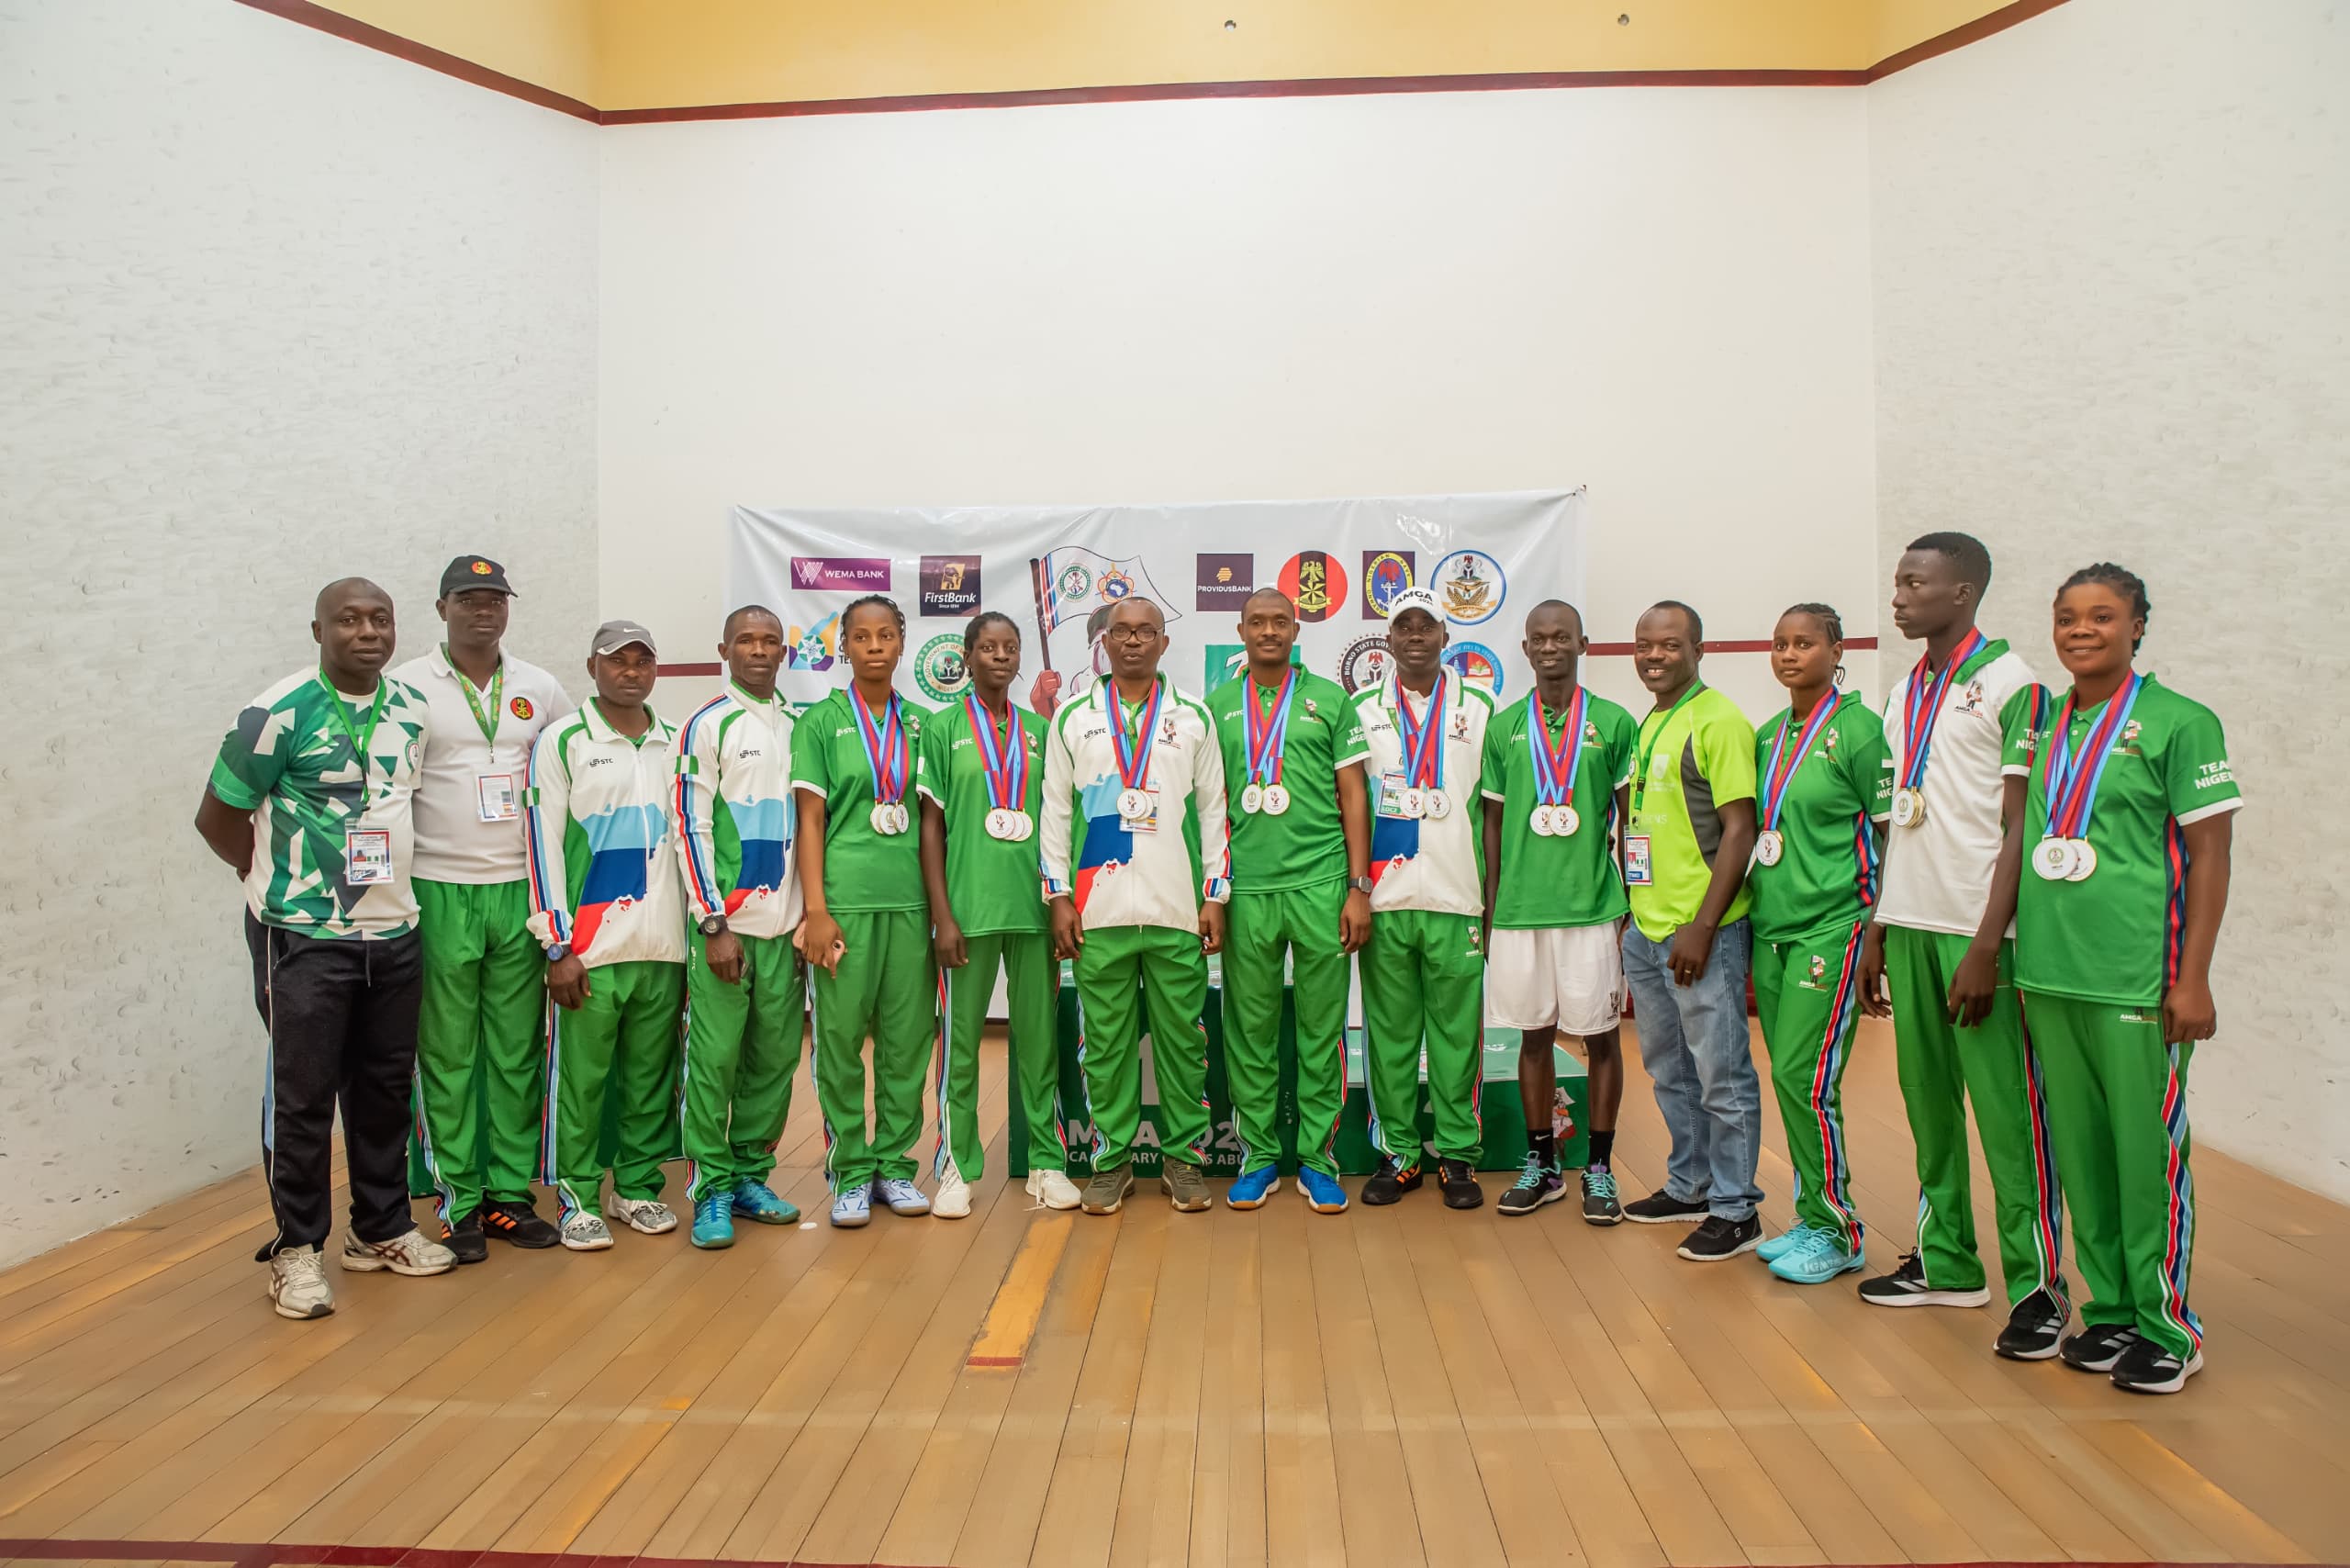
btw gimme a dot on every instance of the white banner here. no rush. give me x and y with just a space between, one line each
1056 570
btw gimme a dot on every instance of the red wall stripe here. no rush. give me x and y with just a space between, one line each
1604 650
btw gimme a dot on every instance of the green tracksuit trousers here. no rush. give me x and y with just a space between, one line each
1422 988
1941 1067
621 1045
1261 930
1032 983
1126 975
886 990
1808 991
741 1048
480 1043
2116 1104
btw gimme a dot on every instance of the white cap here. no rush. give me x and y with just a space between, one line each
1415 598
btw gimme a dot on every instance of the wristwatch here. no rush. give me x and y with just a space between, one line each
1359 884
558 951
714 925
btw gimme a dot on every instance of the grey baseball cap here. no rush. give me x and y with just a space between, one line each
614 636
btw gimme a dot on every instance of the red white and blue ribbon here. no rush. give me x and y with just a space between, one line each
1267 734
1555 766
1424 741
1783 764
885 747
2074 776
1922 708
1003 759
1133 752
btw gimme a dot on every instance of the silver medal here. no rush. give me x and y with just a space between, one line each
2084 861
1001 825
1769 847
1276 800
884 819
1564 820
1252 799
1133 805
1413 804
1540 821
2052 858
1436 804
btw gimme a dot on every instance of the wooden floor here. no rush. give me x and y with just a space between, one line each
1391 1386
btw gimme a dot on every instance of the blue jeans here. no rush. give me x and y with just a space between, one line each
1694 1041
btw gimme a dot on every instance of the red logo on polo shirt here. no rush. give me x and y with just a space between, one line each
521 708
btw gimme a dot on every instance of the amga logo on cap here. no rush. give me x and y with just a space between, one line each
840 574
1226 581
939 668
950 584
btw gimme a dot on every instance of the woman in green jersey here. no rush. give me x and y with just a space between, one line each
2127 825
1824 792
981 778
867 931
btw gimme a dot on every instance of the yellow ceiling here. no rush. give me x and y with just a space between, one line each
634 54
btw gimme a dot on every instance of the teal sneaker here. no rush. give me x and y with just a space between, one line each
714 1220
1818 1260
1251 1188
1773 1247
756 1201
1322 1192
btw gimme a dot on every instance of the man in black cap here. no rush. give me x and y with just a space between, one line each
480 1057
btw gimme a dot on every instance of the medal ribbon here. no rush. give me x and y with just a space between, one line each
360 739
484 716
1003 759
1776 779
1555 766
2073 778
1267 734
1922 708
1133 751
885 747
1424 741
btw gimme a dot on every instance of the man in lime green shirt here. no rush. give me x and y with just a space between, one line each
1688 948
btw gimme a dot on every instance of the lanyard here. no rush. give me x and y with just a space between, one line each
1003 759
360 739
1132 750
2072 778
1776 778
1649 744
1267 733
485 716
1922 708
1424 741
885 747
1555 767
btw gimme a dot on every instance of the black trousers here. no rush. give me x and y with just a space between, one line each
342 1018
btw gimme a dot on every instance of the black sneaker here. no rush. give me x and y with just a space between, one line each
1536 1184
2097 1348
1717 1239
2146 1368
1906 1287
515 1221
1662 1207
464 1239
1599 1205
1390 1183
2033 1329
1459 1183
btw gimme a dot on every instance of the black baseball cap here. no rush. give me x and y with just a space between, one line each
474 572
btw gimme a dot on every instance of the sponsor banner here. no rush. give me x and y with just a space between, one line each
1060 571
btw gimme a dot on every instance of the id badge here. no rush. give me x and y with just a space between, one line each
1147 822
366 856
1635 862
1390 792
496 796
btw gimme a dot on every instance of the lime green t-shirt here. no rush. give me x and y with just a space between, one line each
993 884
1699 758
1547 882
1305 846
1829 824
865 871
2116 935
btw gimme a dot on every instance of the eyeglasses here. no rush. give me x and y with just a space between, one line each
1143 634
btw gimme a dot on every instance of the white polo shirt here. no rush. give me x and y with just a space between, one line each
463 770
1938 874
1420 862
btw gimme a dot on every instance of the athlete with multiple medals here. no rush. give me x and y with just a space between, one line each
866 928
982 778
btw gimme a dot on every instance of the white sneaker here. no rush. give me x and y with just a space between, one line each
649 1216
902 1196
953 1199
583 1232
297 1283
1053 1189
410 1254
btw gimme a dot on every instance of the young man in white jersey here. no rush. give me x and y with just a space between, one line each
1944 936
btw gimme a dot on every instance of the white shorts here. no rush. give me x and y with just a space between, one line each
1572 976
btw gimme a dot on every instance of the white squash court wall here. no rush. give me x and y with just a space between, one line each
2112 265
277 309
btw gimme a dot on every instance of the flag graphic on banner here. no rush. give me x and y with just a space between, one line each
1072 584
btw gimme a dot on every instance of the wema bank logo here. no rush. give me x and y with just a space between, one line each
842 573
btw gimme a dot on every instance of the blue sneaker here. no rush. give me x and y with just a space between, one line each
1773 1247
1322 1193
714 1220
853 1206
1818 1260
1251 1188
755 1200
